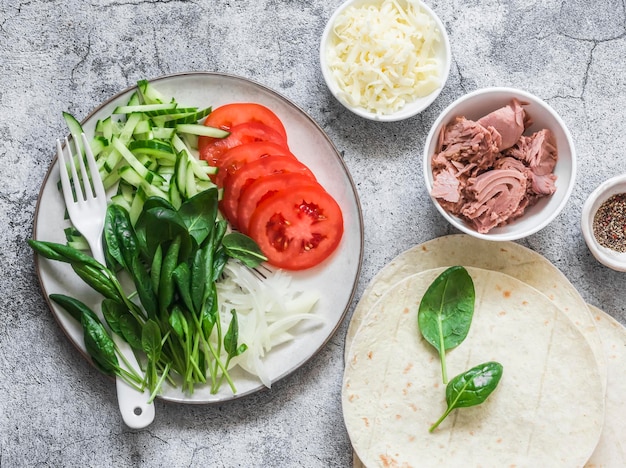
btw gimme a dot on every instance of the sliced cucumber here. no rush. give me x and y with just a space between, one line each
155 108
147 146
148 93
163 133
202 130
75 239
75 129
158 149
170 121
140 168
121 201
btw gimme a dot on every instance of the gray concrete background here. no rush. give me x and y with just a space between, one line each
55 409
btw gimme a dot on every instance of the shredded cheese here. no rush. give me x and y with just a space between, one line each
385 57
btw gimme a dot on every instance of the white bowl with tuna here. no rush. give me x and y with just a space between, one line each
499 164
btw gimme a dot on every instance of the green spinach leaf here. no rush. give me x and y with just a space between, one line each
113 312
140 224
115 216
75 307
243 248
198 214
152 345
100 280
163 225
63 253
151 340
99 344
471 388
131 330
178 322
232 337
446 311
166 285
182 278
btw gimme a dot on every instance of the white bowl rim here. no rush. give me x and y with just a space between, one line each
408 110
447 114
612 259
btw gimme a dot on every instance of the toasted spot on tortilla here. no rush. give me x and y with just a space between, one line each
366 421
352 397
525 303
406 310
398 416
408 368
507 294
387 460
413 406
370 355
499 441
502 313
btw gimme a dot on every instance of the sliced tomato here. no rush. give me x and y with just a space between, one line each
248 173
212 151
263 188
297 229
236 157
229 115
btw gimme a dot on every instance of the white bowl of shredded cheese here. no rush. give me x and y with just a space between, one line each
385 60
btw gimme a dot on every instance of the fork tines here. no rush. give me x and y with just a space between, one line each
83 188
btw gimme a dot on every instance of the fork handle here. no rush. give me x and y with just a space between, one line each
136 412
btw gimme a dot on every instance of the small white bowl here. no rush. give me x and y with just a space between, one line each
444 55
483 101
611 258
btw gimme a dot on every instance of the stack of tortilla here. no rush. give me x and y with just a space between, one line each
559 400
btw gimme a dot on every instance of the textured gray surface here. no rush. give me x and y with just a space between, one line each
55 409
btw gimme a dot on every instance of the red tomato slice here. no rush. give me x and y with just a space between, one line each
249 132
297 229
263 188
229 115
236 157
249 173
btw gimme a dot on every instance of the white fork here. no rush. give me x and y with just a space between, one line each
87 212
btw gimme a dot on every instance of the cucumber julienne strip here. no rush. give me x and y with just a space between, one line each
202 130
146 135
145 108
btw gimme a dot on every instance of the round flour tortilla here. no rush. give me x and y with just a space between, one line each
611 448
506 257
548 409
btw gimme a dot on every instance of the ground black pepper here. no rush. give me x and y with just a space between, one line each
609 223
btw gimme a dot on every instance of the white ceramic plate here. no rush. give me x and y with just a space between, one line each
311 145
